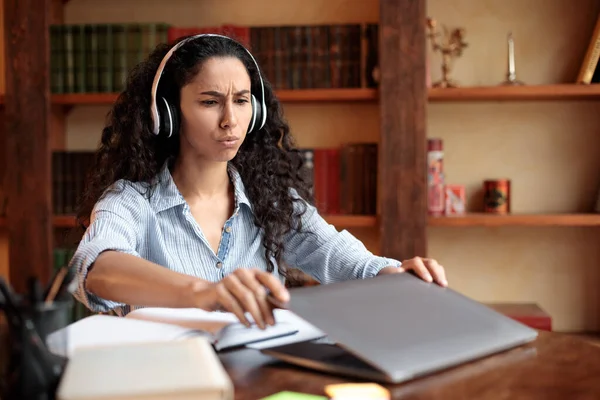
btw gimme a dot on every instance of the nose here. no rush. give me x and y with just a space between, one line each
229 119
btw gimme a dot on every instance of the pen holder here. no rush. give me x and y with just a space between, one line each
34 371
49 318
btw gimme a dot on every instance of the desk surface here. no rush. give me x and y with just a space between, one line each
555 366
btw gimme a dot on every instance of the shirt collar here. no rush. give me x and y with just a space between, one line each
240 194
166 195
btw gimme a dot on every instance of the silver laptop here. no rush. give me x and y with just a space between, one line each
395 328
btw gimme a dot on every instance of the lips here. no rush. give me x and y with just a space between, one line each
229 142
229 139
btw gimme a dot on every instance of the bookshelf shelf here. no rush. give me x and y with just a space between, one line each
477 93
64 221
481 219
343 221
352 221
517 93
287 96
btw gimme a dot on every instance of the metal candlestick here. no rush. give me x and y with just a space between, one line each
451 47
511 76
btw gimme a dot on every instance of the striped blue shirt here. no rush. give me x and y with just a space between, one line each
160 228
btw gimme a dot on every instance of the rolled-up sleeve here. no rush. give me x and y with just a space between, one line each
112 227
329 255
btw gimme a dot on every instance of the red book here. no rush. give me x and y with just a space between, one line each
529 314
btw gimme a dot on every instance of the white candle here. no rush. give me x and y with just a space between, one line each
511 55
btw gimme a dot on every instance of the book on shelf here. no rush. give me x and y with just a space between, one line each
588 72
69 170
344 178
96 58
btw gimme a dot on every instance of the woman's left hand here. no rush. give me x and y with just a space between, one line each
427 269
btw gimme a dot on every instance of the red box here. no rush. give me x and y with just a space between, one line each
455 200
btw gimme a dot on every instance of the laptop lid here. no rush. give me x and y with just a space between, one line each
405 326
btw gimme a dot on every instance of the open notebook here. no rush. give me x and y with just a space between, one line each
223 330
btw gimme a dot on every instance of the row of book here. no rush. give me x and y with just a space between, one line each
344 179
69 171
307 56
96 58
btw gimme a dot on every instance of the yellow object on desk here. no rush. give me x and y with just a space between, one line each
355 391
287 395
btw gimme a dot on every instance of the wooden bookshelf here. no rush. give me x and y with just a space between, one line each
341 221
288 96
352 221
479 93
490 220
516 93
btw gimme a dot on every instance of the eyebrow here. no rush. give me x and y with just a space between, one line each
219 94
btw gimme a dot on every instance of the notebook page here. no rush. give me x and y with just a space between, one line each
227 331
105 330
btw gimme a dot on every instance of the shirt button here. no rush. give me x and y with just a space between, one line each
219 264
228 229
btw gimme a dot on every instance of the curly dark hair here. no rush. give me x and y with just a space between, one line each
267 161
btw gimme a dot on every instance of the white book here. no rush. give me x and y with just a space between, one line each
225 329
143 325
180 370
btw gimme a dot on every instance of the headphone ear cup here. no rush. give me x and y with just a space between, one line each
169 118
174 119
256 115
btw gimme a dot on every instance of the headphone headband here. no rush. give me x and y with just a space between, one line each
153 105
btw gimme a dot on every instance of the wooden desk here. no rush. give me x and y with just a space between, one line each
555 366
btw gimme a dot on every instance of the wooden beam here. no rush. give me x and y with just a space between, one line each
403 98
27 110
2 55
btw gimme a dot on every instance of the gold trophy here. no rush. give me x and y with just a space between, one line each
452 47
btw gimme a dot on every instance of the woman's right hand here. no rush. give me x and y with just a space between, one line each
245 290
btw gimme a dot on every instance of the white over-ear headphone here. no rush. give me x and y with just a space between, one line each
165 116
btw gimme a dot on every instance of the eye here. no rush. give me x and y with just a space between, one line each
242 101
209 102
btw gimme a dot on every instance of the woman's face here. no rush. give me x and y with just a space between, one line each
216 110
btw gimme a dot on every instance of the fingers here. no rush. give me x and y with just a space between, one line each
246 291
259 294
276 289
427 269
436 270
236 284
230 303
418 265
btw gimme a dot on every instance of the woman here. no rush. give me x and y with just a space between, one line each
204 214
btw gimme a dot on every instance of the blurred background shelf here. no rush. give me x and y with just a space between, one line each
476 93
481 219
524 93
297 95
